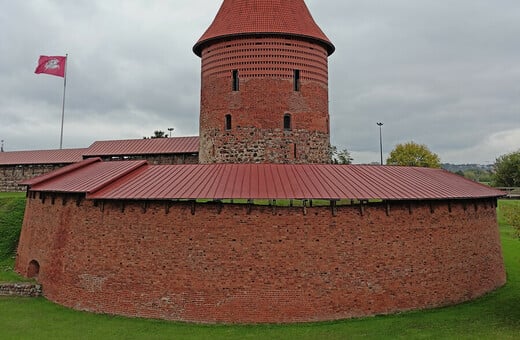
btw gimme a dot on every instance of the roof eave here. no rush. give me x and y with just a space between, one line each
197 48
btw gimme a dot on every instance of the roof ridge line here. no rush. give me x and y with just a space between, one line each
65 170
130 170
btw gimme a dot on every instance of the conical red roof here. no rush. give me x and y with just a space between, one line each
246 17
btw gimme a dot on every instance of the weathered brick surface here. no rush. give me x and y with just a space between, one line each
266 93
188 158
213 263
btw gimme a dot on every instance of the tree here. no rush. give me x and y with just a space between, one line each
507 170
413 154
340 157
157 134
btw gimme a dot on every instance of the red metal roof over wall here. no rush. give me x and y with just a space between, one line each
143 146
63 156
83 177
264 181
242 17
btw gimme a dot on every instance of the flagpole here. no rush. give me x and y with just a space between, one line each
63 104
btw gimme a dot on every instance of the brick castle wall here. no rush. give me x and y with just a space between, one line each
249 264
256 110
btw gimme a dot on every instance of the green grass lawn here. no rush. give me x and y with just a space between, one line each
494 316
12 195
12 207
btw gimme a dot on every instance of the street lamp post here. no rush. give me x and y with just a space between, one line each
380 141
170 129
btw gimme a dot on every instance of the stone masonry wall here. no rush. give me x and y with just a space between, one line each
11 175
20 289
248 264
253 145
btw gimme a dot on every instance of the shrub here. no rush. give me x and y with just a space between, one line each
511 214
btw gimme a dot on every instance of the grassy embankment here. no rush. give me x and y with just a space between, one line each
494 316
12 206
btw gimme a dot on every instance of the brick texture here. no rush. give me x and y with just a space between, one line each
264 96
252 264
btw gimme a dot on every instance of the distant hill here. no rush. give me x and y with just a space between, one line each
475 172
465 167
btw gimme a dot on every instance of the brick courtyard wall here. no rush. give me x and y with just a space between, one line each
11 175
156 159
252 264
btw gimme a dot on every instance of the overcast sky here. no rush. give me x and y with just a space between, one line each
441 73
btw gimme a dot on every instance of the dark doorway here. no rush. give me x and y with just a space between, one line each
34 269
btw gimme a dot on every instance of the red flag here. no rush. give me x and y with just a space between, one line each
54 65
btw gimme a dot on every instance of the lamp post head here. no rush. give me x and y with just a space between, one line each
380 124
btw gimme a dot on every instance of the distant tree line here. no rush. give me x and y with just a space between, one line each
507 170
475 173
504 173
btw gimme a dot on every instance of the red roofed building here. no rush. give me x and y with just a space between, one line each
263 230
173 150
16 166
21 165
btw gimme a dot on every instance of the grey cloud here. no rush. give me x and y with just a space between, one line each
446 74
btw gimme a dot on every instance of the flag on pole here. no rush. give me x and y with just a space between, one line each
53 65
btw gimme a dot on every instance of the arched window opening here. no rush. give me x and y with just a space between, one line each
228 122
287 122
34 269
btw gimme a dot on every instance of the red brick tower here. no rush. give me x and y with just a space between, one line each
264 95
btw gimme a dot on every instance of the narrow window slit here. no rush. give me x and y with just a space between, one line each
235 84
287 122
228 122
296 79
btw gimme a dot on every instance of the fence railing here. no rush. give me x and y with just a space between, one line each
512 192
